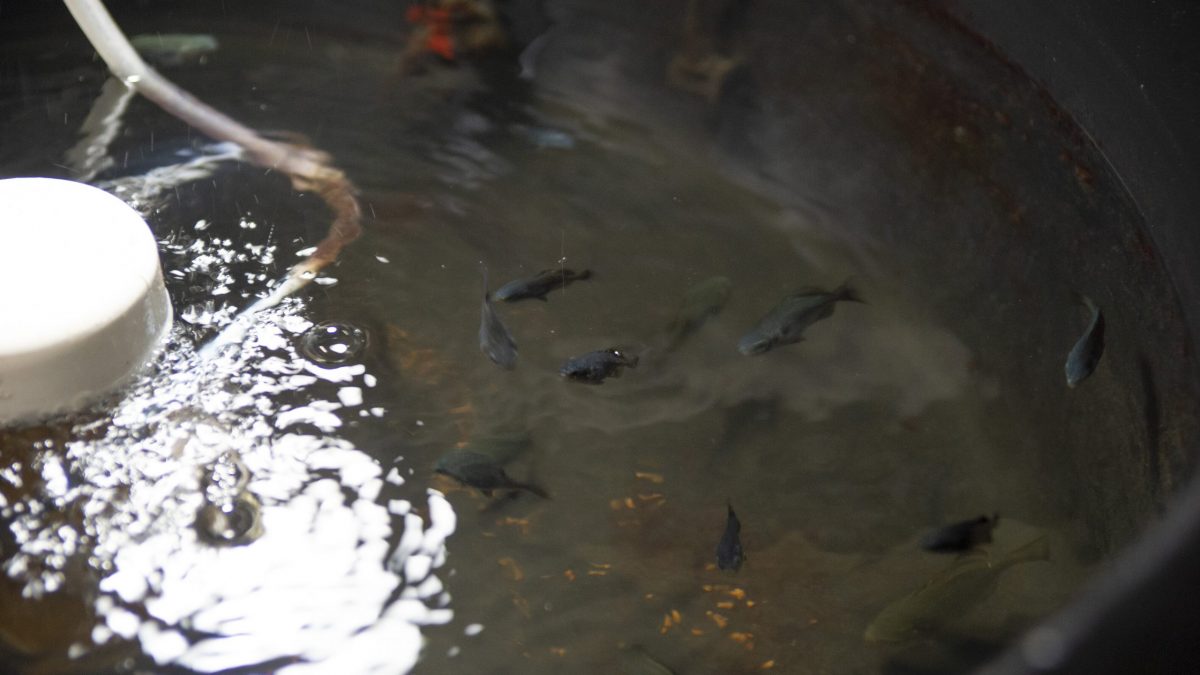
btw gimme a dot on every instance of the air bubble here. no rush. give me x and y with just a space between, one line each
333 343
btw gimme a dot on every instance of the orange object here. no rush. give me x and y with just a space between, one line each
438 24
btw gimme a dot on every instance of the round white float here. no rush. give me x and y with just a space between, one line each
82 301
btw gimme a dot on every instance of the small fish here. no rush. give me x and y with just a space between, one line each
594 367
494 339
482 472
729 549
961 537
967 582
173 49
1086 353
701 301
786 322
636 660
539 284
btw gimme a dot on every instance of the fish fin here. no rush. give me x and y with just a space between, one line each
543 298
1085 301
847 293
486 295
808 290
530 487
1034 551
585 274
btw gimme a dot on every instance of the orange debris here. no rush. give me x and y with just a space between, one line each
514 570
569 574
646 475
718 619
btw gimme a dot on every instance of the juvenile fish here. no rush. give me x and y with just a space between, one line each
173 49
969 581
494 339
594 367
539 284
482 472
636 660
729 549
961 537
1086 353
701 301
786 322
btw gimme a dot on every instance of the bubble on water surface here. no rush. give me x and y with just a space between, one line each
333 343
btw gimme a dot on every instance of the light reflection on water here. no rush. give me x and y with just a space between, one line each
837 452
323 587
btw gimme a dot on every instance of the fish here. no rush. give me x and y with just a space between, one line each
539 284
594 367
785 323
173 49
1086 353
951 593
636 660
482 472
962 536
729 549
701 302
494 339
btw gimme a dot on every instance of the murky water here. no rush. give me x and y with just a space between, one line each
838 453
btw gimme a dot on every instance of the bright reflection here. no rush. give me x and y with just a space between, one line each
315 585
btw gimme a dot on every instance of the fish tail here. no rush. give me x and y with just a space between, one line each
847 293
1035 551
1084 300
530 487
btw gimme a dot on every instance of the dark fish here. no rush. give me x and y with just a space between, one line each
951 594
1085 355
594 367
729 549
785 323
961 537
480 471
494 339
539 284
701 301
